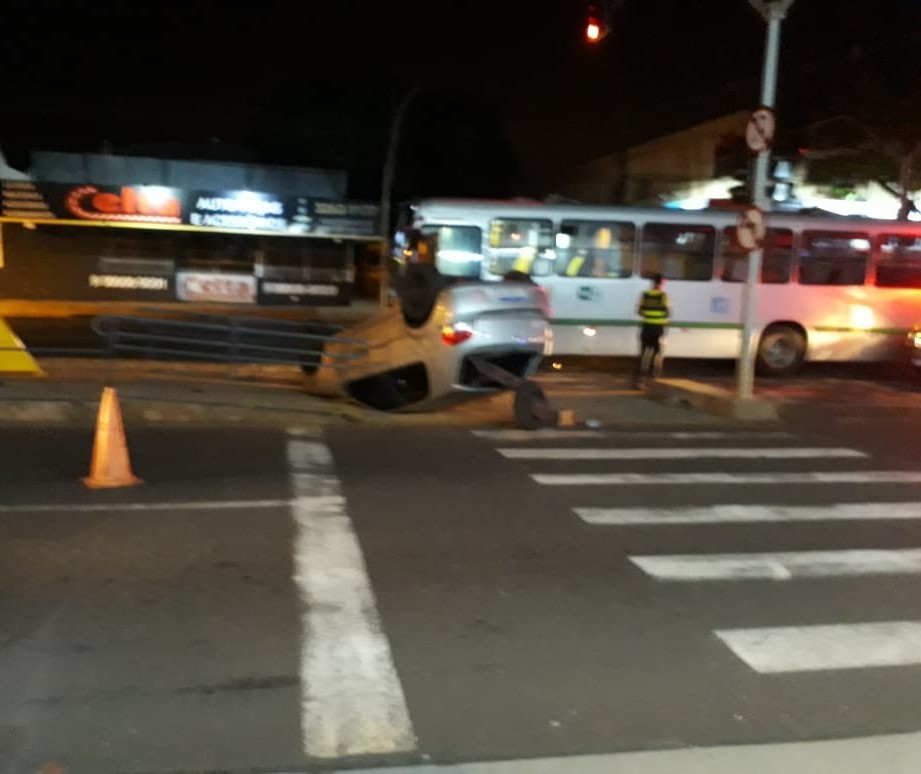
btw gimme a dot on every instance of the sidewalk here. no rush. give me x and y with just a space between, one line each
153 392
895 754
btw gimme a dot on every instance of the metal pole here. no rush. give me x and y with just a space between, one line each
773 13
390 162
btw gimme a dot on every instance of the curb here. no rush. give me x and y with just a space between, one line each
892 754
712 400
158 412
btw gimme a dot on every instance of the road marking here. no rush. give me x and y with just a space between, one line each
838 646
740 514
661 479
352 699
798 453
537 435
689 435
189 505
783 566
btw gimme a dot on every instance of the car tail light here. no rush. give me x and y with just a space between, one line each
544 300
455 334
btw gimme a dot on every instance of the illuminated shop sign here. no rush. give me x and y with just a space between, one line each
249 211
127 282
299 289
165 207
331 293
140 204
216 288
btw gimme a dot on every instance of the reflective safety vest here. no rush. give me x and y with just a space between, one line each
654 307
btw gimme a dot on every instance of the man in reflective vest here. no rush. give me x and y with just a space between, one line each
654 311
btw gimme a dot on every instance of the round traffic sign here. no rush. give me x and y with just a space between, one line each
750 229
759 133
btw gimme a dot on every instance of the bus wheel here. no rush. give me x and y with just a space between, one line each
781 351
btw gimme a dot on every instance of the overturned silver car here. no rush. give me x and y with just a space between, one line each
445 343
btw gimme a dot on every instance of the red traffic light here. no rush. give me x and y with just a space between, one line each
592 31
595 28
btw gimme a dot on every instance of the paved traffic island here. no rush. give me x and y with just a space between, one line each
712 400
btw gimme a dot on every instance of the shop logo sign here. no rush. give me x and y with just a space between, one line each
141 204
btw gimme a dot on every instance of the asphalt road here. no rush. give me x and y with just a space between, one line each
433 594
147 640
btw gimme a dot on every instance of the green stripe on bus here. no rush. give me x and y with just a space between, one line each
636 324
728 326
878 331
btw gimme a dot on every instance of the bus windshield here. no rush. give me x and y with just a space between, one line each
456 249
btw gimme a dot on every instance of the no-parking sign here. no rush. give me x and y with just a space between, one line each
750 228
759 133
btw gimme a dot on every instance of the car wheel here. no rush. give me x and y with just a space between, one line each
418 290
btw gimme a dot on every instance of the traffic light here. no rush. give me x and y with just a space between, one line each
595 27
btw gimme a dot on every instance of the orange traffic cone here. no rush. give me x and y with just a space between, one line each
110 467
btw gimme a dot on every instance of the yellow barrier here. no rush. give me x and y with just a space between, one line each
14 357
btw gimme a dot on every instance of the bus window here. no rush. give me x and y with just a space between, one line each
834 258
776 260
520 245
592 249
457 249
899 262
677 251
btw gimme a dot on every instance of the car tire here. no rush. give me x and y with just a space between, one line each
418 290
518 276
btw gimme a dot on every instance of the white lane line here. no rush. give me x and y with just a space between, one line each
537 435
189 505
838 646
783 566
741 514
689 435
661 479
352 699
797 453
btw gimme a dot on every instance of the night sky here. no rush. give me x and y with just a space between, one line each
509 95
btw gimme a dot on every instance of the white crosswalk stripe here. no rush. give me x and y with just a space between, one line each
782 566
546 434
691 453
766 650
783 479
771 650
742 514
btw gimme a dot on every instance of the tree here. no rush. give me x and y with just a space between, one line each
874 132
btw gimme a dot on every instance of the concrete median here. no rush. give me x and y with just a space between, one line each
712 400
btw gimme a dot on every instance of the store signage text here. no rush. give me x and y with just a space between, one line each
128 282
143 204
220 288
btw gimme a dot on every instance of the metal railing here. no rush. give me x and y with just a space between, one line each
225 339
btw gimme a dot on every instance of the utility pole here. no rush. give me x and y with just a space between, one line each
390 161
773 13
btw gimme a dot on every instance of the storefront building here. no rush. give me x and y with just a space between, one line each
106 228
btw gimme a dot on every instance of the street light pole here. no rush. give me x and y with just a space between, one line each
773 13
390 162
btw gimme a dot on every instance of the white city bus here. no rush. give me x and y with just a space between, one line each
832 288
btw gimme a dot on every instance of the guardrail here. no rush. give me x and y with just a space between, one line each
224 339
